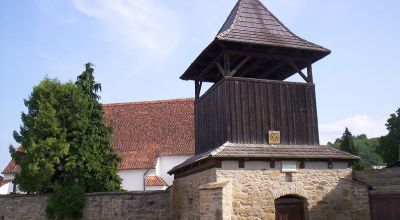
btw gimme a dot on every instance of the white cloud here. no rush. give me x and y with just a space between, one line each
357 124
140 24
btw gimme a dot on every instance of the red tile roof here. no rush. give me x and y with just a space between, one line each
11 168
155 181
143 131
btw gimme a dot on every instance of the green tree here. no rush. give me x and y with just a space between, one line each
390 144
101 169
347 144
67 146
367 151
361 146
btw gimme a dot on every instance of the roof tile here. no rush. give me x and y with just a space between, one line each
143 131
155 181
234 150
11 168
251 22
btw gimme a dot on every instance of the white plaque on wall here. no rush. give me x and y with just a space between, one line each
289 166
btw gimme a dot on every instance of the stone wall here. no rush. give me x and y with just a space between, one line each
220 193
185 196
152 205
251 194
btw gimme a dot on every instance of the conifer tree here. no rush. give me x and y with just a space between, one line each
66 144
347 144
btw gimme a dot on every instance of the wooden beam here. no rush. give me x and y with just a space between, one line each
267 55
244 61
221 69
254 65
309 73
227 65
274 68
299 71
197 88
303 76
210 65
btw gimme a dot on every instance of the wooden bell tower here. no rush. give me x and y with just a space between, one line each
248 61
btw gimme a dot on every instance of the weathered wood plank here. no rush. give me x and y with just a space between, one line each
244 110
252 113
232 94
265 111
238 107
258 113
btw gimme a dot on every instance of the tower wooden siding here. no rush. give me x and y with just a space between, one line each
243 110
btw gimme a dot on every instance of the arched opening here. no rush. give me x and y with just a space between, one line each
290 207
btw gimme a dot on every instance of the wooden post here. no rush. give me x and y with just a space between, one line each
299 71
14 186
227 66
309 73
239 65
221 69
197 88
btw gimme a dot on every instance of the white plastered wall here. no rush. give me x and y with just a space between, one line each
149 188
6 188
265 165
9 176
166 163
132 180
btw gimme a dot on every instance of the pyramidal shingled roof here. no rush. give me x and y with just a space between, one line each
251 22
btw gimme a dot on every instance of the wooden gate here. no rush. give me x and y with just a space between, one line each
289 208
385 207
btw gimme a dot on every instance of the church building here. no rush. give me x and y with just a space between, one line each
151 137
248 147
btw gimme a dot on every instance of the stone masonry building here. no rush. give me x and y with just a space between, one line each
256 135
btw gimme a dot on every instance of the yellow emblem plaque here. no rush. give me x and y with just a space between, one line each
274 137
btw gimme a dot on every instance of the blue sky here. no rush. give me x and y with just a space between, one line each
141 47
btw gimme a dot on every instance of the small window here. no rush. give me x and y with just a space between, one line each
241 163
330 165
289 166
272 164
302 165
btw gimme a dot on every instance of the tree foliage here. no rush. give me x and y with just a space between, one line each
390 144
65 140
361 146
347 142
66 202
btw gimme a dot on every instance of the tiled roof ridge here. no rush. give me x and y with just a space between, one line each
219 149
146 102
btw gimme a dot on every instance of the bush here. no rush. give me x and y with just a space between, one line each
66 202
